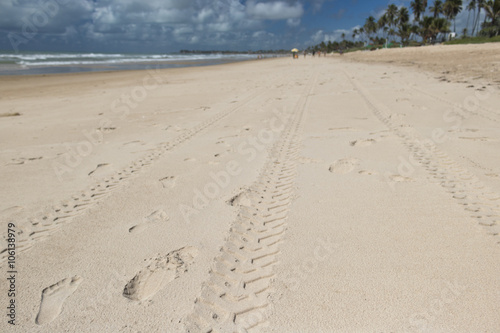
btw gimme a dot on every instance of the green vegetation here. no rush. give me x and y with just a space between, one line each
394 28
474 40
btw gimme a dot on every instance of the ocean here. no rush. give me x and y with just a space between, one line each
30 63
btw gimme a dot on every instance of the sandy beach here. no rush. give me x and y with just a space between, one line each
335 194
475 64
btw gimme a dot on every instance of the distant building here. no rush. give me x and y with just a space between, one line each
450 36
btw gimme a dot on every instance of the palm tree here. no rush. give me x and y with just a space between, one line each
361 32
322 46
426 28
404 33
485 4
386 32
493 13
403 16
480 6
355 32
404 28
418 7
451 9
472 7
437 8
415 30
382 23
370 26
440 25
391 15
430 27
391 32
492 10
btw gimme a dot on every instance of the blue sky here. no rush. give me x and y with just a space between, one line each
160 26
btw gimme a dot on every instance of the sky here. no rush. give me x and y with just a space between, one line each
162 26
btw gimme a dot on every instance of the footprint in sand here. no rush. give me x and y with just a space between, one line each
190 159
362 143
241 199
492 175
168 182
344 166
342 129
101 170
223 143
463 130
396 116
404 99
12 210
159 273
53 299
23 160
484 139
307 160
221 154
106 129
400 179
156 216
368 173
134 143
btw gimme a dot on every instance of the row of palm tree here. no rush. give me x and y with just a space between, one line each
396 20
491 25
492 14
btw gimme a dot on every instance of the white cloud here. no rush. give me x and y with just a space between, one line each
108 23
318 37
317 4
260 34
276 10
293 22
205 14
47 16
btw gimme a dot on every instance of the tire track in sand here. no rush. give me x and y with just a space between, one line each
481 203
235 297
43 225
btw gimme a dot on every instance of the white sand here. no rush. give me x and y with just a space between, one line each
283 195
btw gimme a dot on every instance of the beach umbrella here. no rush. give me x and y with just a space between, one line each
295 50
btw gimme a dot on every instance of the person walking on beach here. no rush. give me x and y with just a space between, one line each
305 54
